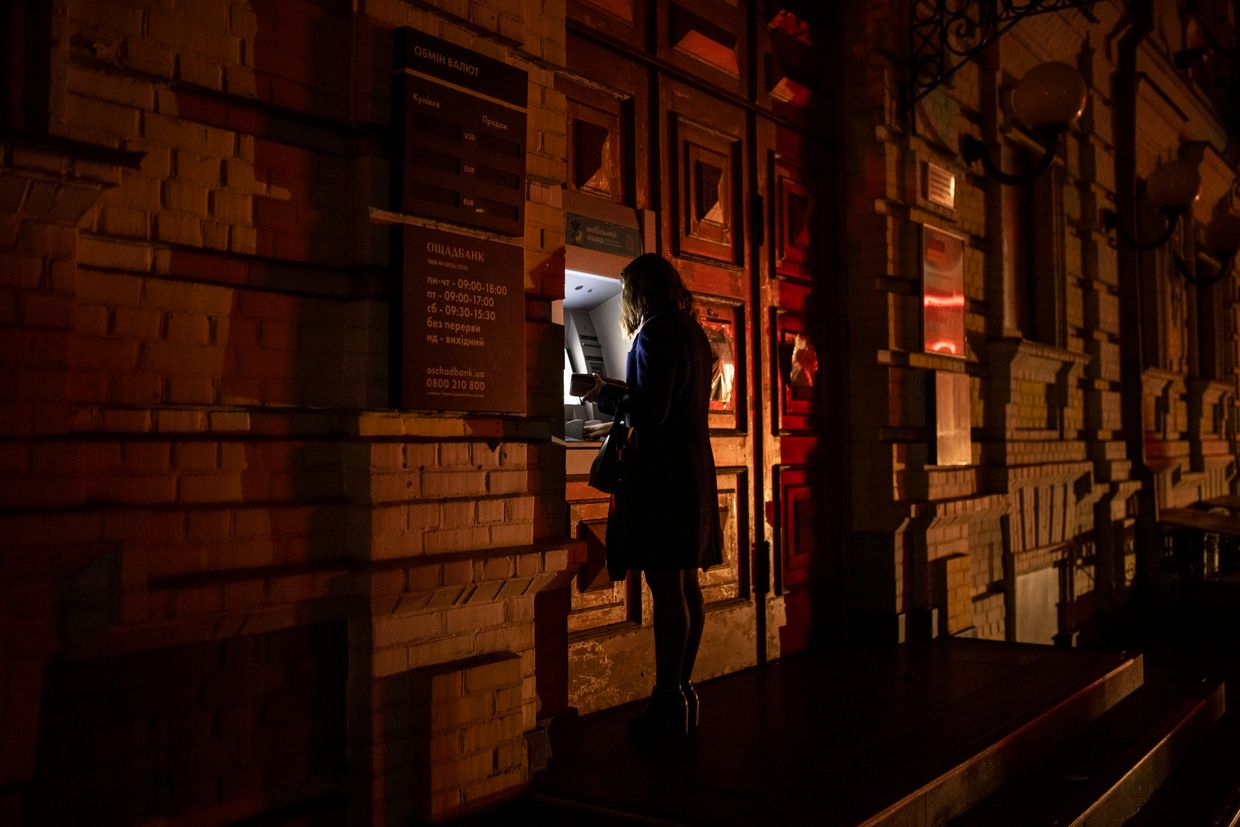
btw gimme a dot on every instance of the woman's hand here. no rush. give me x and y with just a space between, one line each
592 394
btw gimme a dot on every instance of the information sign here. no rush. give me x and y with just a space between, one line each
462 118
463 346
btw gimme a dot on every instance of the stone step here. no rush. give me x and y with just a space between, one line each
1205 789
1105 773
914 735
1003 754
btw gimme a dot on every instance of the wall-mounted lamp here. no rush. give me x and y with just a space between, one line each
1048 99
1171 188
1222 240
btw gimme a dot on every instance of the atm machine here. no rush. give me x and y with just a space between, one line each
600 239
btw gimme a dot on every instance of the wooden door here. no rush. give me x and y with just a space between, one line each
668 116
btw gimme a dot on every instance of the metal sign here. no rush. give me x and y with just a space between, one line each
462 121
604 236
939 186
463 337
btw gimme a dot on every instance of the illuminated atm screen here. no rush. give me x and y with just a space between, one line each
593 340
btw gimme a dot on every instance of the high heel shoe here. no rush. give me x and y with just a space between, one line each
692 705
665 719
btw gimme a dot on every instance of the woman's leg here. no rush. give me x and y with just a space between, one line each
671 627
696 607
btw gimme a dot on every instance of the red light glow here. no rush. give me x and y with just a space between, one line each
955 300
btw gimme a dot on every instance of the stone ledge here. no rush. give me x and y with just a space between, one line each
213 605
232 420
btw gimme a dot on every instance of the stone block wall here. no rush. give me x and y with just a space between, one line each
1052 480
200 450
208 731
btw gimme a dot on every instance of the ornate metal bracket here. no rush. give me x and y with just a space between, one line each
946 34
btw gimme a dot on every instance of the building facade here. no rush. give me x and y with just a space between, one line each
252 566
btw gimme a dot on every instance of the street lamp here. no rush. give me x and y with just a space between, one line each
1222 240
1171 188
1048 99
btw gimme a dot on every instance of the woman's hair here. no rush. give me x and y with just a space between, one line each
650 285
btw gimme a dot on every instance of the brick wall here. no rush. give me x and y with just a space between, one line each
1047 416
199 449
212 731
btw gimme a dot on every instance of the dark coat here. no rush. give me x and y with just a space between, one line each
667 514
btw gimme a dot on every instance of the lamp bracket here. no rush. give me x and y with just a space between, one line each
944 35
974 150
1185 271
1171 218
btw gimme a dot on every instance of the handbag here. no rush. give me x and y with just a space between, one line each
607 472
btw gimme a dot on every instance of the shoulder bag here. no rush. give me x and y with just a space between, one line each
607 472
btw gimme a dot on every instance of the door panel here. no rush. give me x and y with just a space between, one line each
705 191
729 580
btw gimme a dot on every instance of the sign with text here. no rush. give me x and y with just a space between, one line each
604 236
462 119
437 58
942 292
463 342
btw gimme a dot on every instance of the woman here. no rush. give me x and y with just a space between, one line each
665 521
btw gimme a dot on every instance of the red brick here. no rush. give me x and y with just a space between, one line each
113 255
47 310
459 514
195 456
188 328
112 119
137 389
190 390
453 483
117 356
426 577
511 638
407 628
173 421
70 458
384 583
492 672
232 207
507 482
474 617
56 385
197 487
386 662
511 535
124 525
529 565
215 524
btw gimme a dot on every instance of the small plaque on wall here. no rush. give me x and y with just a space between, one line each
939 185
463 330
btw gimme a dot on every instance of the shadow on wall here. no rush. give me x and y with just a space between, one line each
237 727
